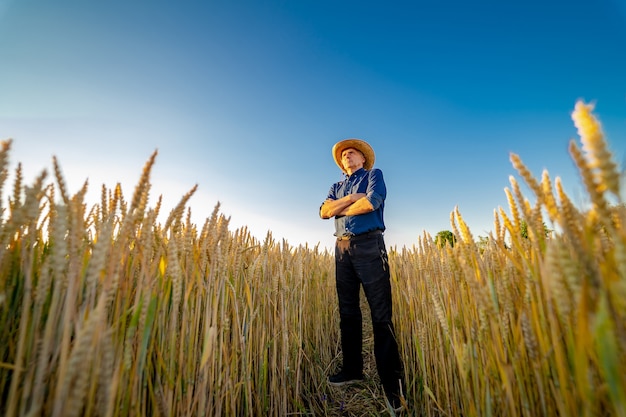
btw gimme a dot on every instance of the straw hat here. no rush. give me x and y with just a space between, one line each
359 145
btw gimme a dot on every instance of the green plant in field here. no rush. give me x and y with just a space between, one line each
524 230
445 237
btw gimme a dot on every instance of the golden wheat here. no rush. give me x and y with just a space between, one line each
104 311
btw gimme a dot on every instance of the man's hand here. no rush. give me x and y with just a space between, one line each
361 206
332 208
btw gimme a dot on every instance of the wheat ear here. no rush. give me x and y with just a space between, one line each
178 211
595 191
525 173
5 147
548 197
607 176
140 197
513 208
60 180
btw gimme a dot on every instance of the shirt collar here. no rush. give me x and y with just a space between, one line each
356 173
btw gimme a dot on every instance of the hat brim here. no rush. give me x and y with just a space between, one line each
359 145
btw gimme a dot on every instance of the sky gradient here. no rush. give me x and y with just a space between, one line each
247 98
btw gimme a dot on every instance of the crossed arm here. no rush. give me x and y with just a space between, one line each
350 205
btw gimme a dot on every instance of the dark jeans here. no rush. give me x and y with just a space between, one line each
362 260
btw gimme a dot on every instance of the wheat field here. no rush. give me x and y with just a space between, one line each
104 311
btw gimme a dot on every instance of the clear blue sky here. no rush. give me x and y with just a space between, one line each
246 99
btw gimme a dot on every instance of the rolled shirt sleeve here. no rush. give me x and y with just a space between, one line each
376 189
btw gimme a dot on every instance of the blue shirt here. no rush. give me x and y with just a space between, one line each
371 183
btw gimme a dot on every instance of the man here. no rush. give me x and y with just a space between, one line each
357 204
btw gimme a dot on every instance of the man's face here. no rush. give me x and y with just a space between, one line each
352 159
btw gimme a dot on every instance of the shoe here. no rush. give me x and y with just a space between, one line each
342 378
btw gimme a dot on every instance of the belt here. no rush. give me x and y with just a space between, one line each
360 236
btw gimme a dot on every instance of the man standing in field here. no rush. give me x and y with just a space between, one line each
357 204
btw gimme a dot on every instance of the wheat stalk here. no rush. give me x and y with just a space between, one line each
126 317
